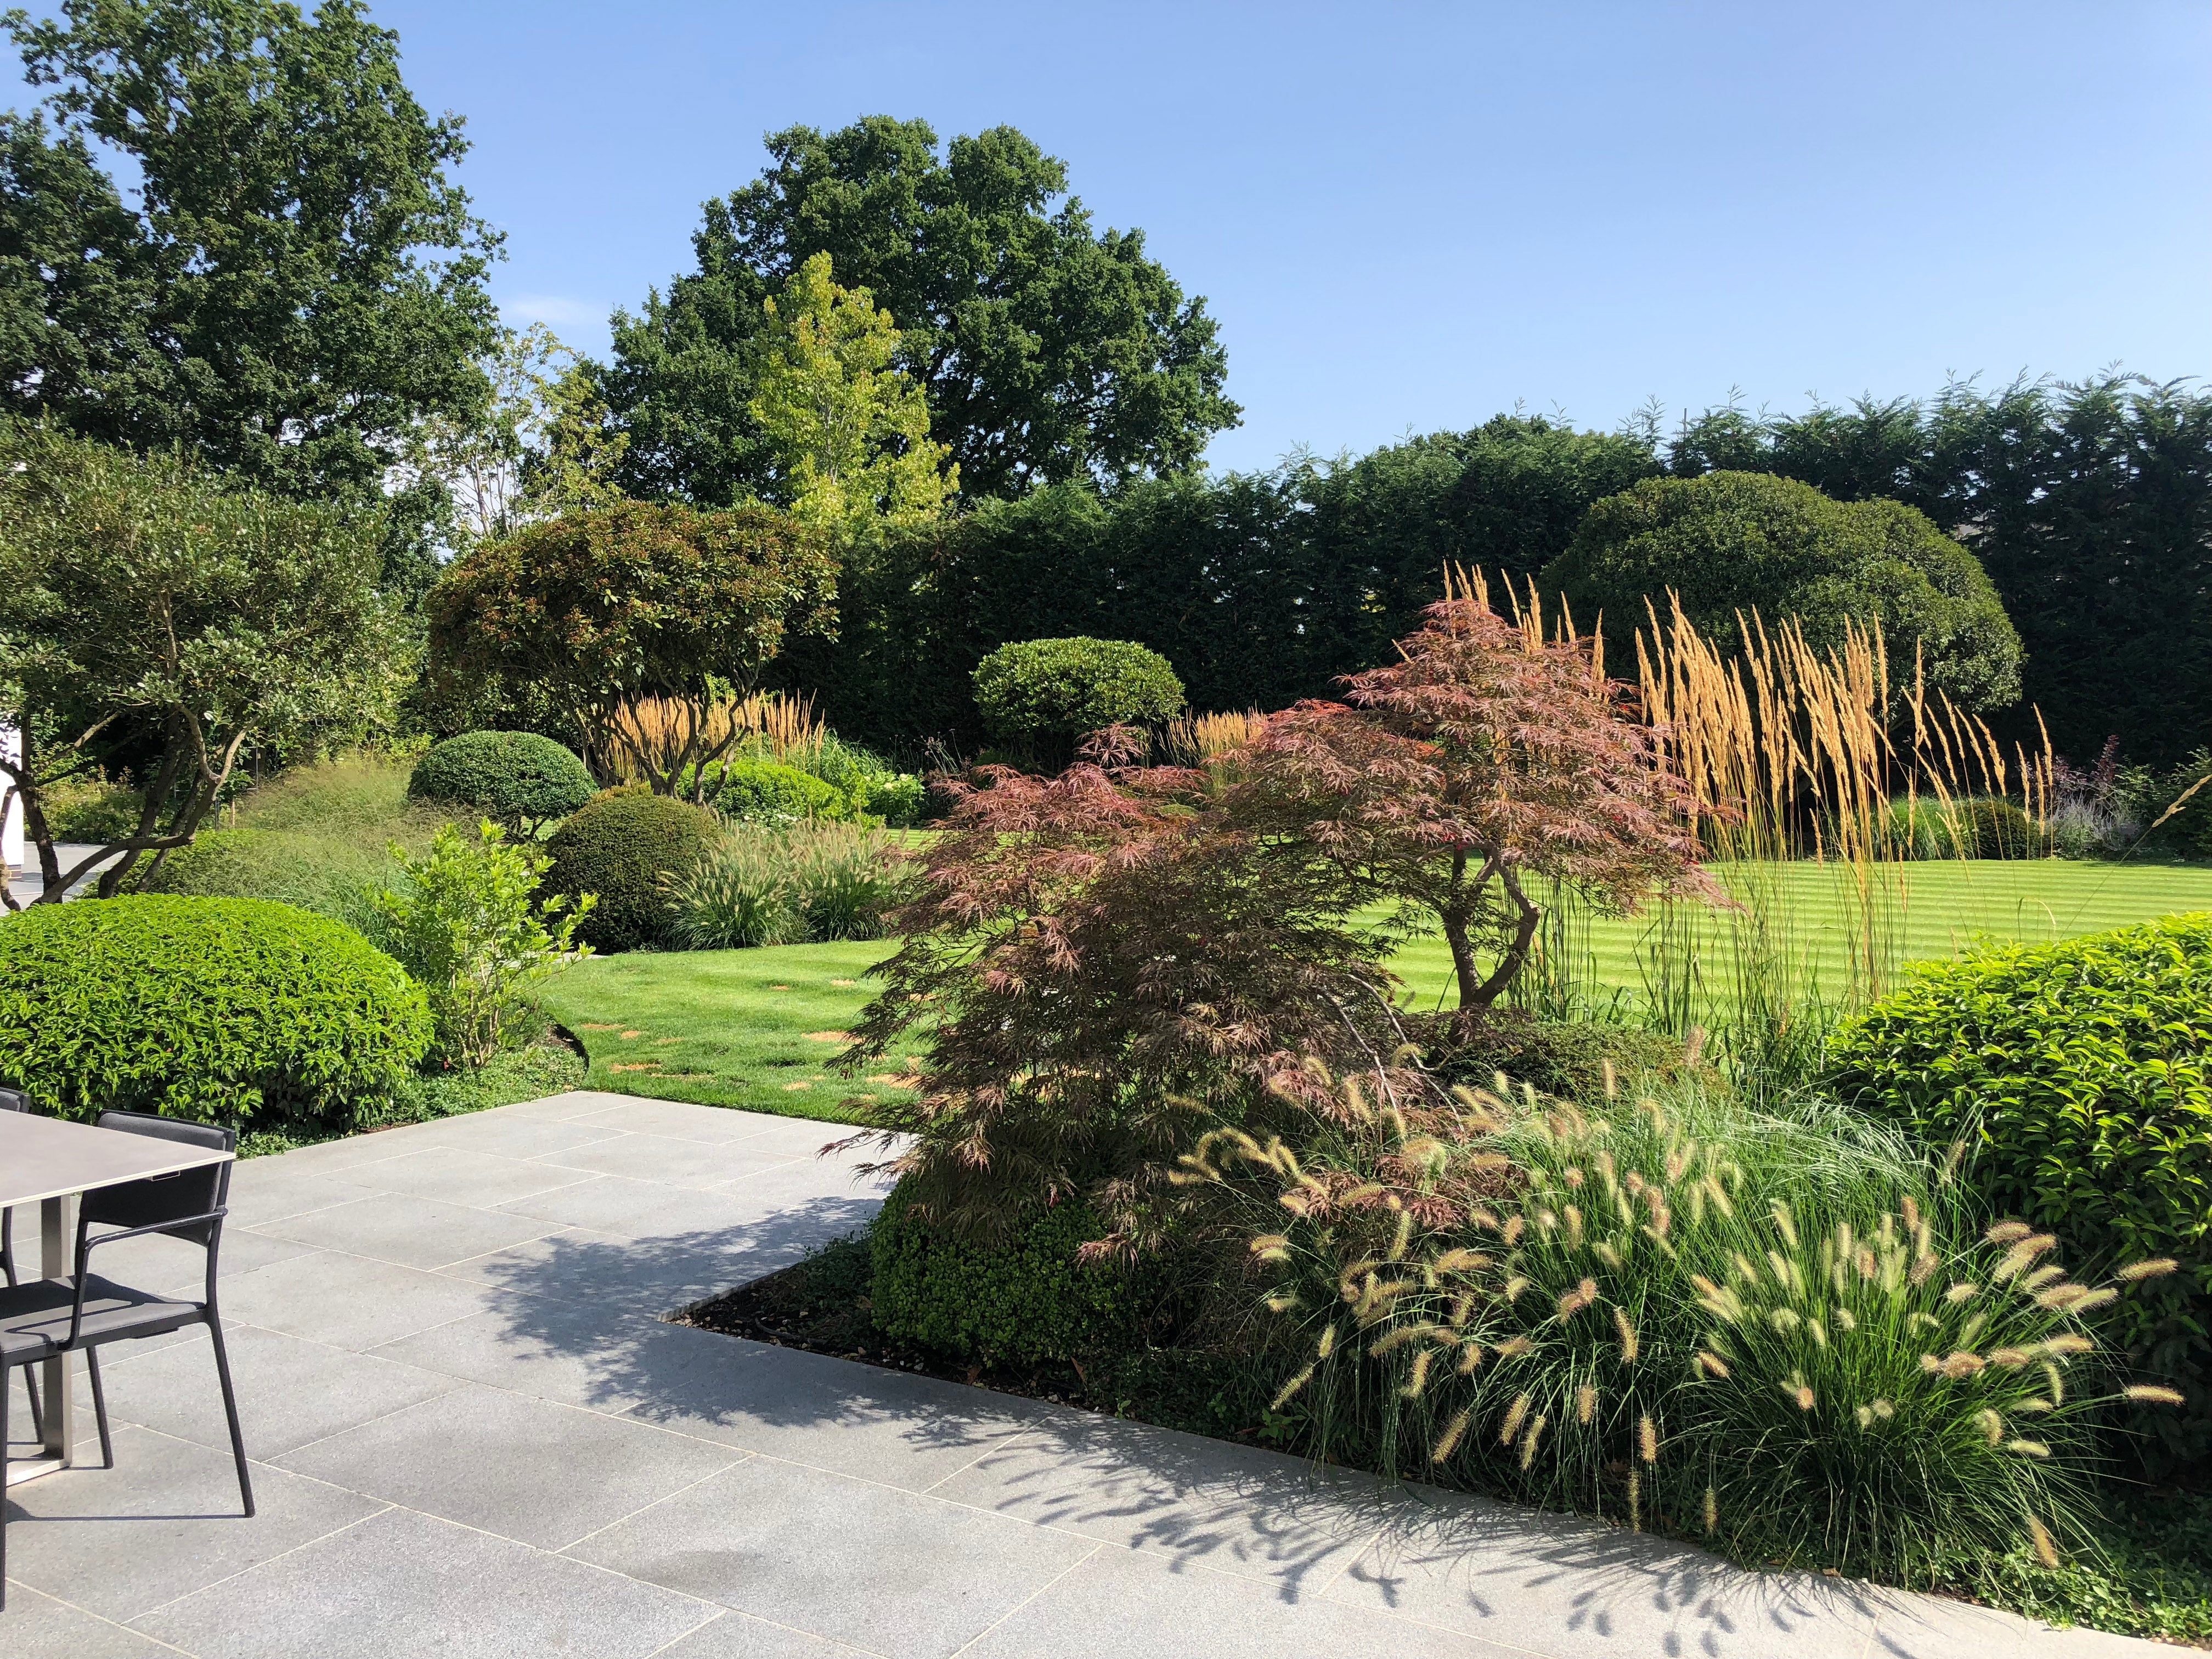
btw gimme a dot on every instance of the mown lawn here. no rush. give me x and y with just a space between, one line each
760 1029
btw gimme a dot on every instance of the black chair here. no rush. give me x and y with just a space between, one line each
52 1316
14 1100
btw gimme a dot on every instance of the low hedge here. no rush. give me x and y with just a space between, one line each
228 1010
2080 1076
521 778
625 845
769 791
1017 1302
1566 1057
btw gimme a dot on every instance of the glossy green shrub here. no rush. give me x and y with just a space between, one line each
769 791
1566 1057
519 779
1048 693
1973 829
2080 1078
625 845
223 1010
1018 1302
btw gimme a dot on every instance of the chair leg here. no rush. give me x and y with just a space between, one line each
100 1409
3 1481
230 1410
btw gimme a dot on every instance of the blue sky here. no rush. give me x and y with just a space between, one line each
1408 217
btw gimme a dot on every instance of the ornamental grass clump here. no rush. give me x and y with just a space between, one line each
763 885
1778 1336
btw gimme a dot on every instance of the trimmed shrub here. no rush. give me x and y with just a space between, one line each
1018 1302
224 1011
769 791
1566 1057
1977 828
624 846
1734 541
2080 1076
519 779
1046 693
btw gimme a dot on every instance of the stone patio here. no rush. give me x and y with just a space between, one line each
474 1439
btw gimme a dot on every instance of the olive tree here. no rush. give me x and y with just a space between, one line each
601 610
159 615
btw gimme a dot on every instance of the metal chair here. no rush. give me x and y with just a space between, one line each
14 1100
51 1316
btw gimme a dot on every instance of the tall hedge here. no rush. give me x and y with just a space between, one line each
230 1010
2080 1076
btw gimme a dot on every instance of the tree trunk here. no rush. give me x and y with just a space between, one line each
1517 954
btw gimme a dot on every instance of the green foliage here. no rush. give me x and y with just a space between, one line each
518 779
141 599
767 791
1561 1057
1051 692
230 1010
761 885
285 281
1048 350
89 808
848 433
2171 807
1730 541
2078 1076
1780 1335
1976 828
468 924
1018 1302
600 610
623 848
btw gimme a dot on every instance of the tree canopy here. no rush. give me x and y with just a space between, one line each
291 280
1730 542
147 605
1048 351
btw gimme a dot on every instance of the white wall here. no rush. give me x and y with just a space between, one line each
11 832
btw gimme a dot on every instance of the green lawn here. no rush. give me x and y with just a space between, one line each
755 1029
758 1029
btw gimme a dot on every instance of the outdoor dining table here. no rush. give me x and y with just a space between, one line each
50 1163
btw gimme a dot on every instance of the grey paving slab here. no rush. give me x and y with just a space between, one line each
458 1175
741 1635
408 1232
524 1468
348 1301
1935 1627
162 1523
638 1209
668 1160
1573 1589
38 1627
156 1263
290 1392
1142 1606
403 1585
906 1431
1230 1508
627 1274
562 1108
508 1136
573 1352
710 1124
891 1571
263 1189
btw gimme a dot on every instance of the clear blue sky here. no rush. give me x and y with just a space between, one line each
1407 217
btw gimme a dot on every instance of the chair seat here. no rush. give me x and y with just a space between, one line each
34 1318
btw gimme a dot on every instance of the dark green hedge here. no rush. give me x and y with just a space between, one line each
1016 1302
2080 1075
621 846
519 778
228 1010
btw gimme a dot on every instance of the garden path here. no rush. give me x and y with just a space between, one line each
474 1438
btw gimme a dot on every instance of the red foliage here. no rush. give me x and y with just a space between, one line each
1479 758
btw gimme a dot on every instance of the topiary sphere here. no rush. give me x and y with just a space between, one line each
769 791
1049 693
231 1011
624 846
520 779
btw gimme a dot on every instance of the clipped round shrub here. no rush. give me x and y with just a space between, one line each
228 1011
769 791
1016 1302
1562 1057
2080 1076
1046 693
625 845
520 779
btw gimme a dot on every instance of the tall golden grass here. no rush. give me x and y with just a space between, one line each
1197 740
1792 753
654 734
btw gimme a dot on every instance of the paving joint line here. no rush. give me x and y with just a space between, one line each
1087 1555
62 1601
304 1543
742 1458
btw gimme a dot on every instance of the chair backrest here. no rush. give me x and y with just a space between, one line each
157 1198
13 1100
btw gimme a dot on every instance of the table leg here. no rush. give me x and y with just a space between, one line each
56 1232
